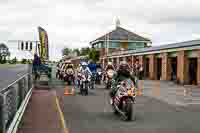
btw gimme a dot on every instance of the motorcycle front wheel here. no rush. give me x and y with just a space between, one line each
86 89
130 112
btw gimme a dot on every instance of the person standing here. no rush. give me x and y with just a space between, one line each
36 65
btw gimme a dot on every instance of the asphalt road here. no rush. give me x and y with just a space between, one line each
9 74
93 114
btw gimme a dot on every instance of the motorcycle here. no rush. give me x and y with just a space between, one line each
61 75
99 76
79 76
93 79
84 83
109 76
124 99
69 76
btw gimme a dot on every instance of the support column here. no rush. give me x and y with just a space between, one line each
165 66
124 58
152 67
132 60
198 68
182 68
141 60
103 62
169 68
129 60
118 60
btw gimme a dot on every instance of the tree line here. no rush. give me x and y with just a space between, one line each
5 56
92 53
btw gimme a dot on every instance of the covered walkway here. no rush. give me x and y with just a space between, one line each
178 62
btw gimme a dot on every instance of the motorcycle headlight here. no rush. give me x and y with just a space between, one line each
129 93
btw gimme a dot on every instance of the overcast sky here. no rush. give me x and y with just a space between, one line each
73 23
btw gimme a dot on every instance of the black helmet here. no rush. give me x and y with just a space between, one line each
124 67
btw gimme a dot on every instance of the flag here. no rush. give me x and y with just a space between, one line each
43 48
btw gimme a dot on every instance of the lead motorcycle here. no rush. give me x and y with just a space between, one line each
85 80
124 99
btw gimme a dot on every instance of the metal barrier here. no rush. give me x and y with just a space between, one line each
13 98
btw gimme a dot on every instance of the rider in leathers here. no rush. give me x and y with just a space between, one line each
109 66
84 68
123 73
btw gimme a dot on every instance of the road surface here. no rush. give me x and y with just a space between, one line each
9 74
92 114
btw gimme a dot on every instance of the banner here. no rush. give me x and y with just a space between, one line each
43 48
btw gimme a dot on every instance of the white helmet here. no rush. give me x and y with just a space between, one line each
109 63
84 64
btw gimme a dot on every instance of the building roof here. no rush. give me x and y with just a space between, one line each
163 47
120 34
170 46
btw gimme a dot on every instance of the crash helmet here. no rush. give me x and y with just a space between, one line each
84 64
124 67
110 64
90 62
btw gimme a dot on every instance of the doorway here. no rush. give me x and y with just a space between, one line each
159 68
173 74
192 71
146 67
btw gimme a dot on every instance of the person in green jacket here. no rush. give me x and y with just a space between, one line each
123 73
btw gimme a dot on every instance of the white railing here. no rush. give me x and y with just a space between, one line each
13 100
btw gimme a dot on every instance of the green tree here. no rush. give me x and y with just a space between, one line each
77 51
85 51
94 55
13 61
4 53
66 51
24 61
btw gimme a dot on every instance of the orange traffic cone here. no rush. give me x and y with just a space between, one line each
139 92
66 91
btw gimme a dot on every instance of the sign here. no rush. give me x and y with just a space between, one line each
43 48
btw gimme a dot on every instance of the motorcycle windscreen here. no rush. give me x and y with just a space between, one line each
128 83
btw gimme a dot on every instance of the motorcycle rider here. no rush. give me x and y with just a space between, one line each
124 72
58 69
84 68
70 65
109 66
99 68
93 69
98 65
